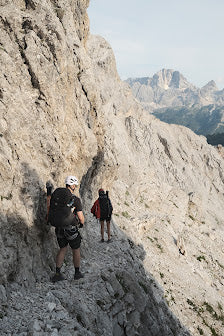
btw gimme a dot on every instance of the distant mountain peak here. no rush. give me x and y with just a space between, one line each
211 86
168 78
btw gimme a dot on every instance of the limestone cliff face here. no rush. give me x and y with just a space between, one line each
45 110
65 111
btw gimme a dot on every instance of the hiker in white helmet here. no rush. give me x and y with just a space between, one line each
66 215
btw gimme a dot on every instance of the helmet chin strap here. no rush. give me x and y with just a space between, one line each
72 188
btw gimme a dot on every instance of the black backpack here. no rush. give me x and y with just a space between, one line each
105 205
60 214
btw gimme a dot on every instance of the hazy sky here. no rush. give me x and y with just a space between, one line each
149 35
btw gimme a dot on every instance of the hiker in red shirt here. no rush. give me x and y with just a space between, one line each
102 209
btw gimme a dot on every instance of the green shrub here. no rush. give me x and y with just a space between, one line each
200 258
125 214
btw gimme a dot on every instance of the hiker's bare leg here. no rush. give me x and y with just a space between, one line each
76 257
61 256
102 229
108 229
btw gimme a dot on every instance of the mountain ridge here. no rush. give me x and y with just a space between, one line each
168 94
170 88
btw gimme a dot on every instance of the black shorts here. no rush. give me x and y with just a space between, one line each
108 219
63 241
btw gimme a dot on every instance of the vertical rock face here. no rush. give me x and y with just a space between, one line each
65 111
46 113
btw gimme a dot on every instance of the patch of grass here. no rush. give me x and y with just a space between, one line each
200 258
151 239
217 221
6 197
155 239
127 193
207 307
201 332
3 49
220 265
192 218
161 275
220 307
192 304
211 310
213 331
125 214
172 299
159 247
125 203
116 214
214 315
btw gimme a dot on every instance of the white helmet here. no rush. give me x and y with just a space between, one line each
71 180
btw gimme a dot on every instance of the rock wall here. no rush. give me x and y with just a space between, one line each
45 113
65 111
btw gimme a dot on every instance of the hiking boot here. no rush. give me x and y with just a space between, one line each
109 240
78 276
102 240
57 277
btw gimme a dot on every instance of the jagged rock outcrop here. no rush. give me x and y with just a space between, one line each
64 110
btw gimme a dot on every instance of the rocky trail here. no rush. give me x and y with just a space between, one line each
114 297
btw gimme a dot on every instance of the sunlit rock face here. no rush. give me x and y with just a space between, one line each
64 110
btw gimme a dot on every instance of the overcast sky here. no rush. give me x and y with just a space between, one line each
149 35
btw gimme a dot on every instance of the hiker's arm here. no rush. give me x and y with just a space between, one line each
80 217
93 209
